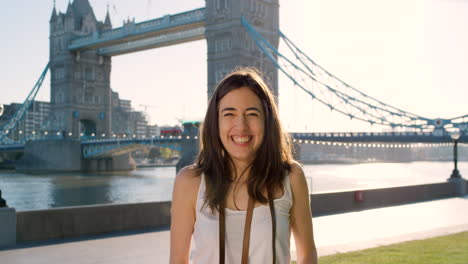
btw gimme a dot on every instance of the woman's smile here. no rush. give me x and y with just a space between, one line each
241 140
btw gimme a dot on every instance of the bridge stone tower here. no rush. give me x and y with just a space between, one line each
229 44
80 81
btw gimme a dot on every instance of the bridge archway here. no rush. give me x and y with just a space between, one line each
87 128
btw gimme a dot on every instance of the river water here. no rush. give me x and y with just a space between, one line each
30 192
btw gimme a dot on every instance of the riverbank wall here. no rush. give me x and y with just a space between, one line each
69 222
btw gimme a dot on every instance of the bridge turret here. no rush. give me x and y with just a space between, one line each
53 17
82 8
69 9
69 19
107 21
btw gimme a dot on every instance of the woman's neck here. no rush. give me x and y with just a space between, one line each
240 171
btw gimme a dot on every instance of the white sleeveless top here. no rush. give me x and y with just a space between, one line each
205 240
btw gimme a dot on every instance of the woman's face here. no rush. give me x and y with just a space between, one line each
241 124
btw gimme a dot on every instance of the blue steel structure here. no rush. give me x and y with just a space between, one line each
108 147
11 124
341 97
93 148
383 137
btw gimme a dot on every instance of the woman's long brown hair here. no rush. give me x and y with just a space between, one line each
273 157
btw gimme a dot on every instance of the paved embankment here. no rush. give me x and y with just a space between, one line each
333 233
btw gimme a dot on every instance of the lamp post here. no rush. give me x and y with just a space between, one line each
455 173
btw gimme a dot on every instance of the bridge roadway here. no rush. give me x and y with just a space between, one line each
98 148
384 137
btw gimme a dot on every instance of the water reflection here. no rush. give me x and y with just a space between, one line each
331 177
28 192
41 191
69 190
143 185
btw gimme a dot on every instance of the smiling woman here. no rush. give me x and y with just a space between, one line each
241 121
245 193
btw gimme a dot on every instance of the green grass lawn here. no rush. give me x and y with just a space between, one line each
451 249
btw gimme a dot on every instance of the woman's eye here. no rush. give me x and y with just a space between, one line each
228 114
252 114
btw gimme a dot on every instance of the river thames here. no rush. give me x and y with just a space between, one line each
30 192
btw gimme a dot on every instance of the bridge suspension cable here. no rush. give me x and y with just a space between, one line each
20 113
339 96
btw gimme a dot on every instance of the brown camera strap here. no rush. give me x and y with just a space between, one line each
247 228
273 225
248 224
222 231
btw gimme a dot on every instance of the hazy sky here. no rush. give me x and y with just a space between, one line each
410 54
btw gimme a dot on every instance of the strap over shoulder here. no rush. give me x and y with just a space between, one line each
247 228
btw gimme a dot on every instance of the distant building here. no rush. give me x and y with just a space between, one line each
120 116
128 122
125 120
126 105
153 131
138 124
33 123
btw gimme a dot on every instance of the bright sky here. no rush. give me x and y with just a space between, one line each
410 54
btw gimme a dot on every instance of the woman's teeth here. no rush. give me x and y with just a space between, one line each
241 139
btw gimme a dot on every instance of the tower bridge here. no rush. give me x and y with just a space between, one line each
238 33
81 48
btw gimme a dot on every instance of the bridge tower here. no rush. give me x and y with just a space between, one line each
80 81
229 44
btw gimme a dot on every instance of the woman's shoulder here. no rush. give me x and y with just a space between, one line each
188 178
295 170
296 174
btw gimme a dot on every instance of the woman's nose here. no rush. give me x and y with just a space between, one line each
241 122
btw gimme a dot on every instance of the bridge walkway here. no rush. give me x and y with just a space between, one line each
333 233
